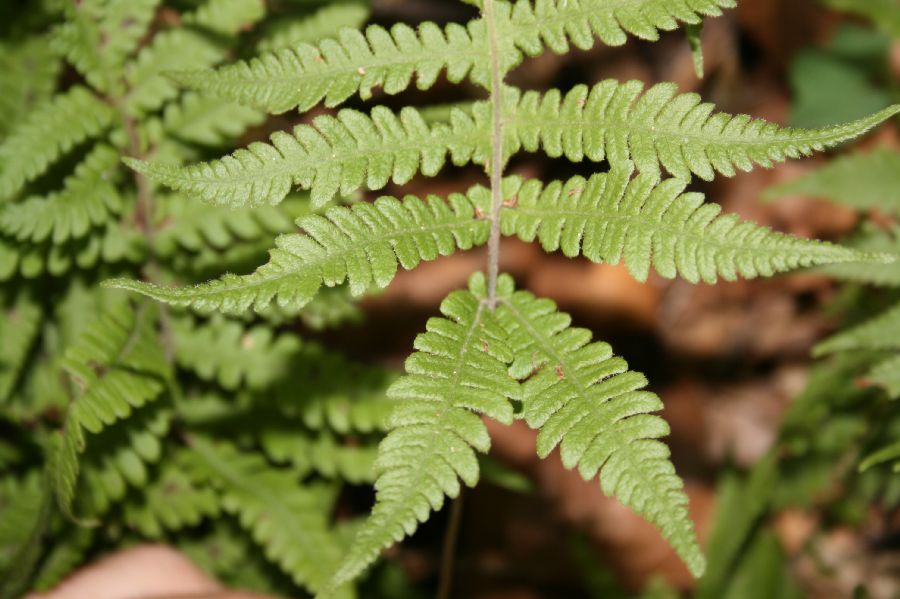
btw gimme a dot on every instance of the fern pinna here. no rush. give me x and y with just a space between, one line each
183 421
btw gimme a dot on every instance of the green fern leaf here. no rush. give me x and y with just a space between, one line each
861 181
20 515
148 88
19 327
608 122
194 226
872 240
357 62
457 373
610 217
333 155
171 502
119 458
363 245
890 453
886 374
30 71
66 554
98 35
289 520
110 246
322 454
116 365
326 21
586 401
209 121
49 131
659 129
227 17
230 354
88 198
881 332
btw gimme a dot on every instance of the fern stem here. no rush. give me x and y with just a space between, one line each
496 164
448 551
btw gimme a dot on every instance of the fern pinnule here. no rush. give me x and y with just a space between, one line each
170 502
98 36
659 129
30 70
20 325
610 217
289 520
333 70
49 131
586 401
333 155
89 198
117 366
457 373
362 245
324 22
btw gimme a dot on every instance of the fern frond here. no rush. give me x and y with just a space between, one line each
88 198
287 519
880 332
47 132
610 121
886 374
326 21
586 401
170 503
116 365
210 121
20 512
343 395
872 240
110 246
861 181
148 88
20 324
611 217
231 354
119 457
30 70
362 244
357 62
322 453
333 155
890 453
660 129
457 373
98 35
194 226
227 17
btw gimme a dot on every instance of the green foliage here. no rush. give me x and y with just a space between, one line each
232 438
609 121
51 130
115 367
611 216
588 403
861 181
362 245
883 13
457 373
288 520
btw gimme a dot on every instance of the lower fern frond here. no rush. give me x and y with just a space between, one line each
117 365
363 245
586 401
289 520
457 373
